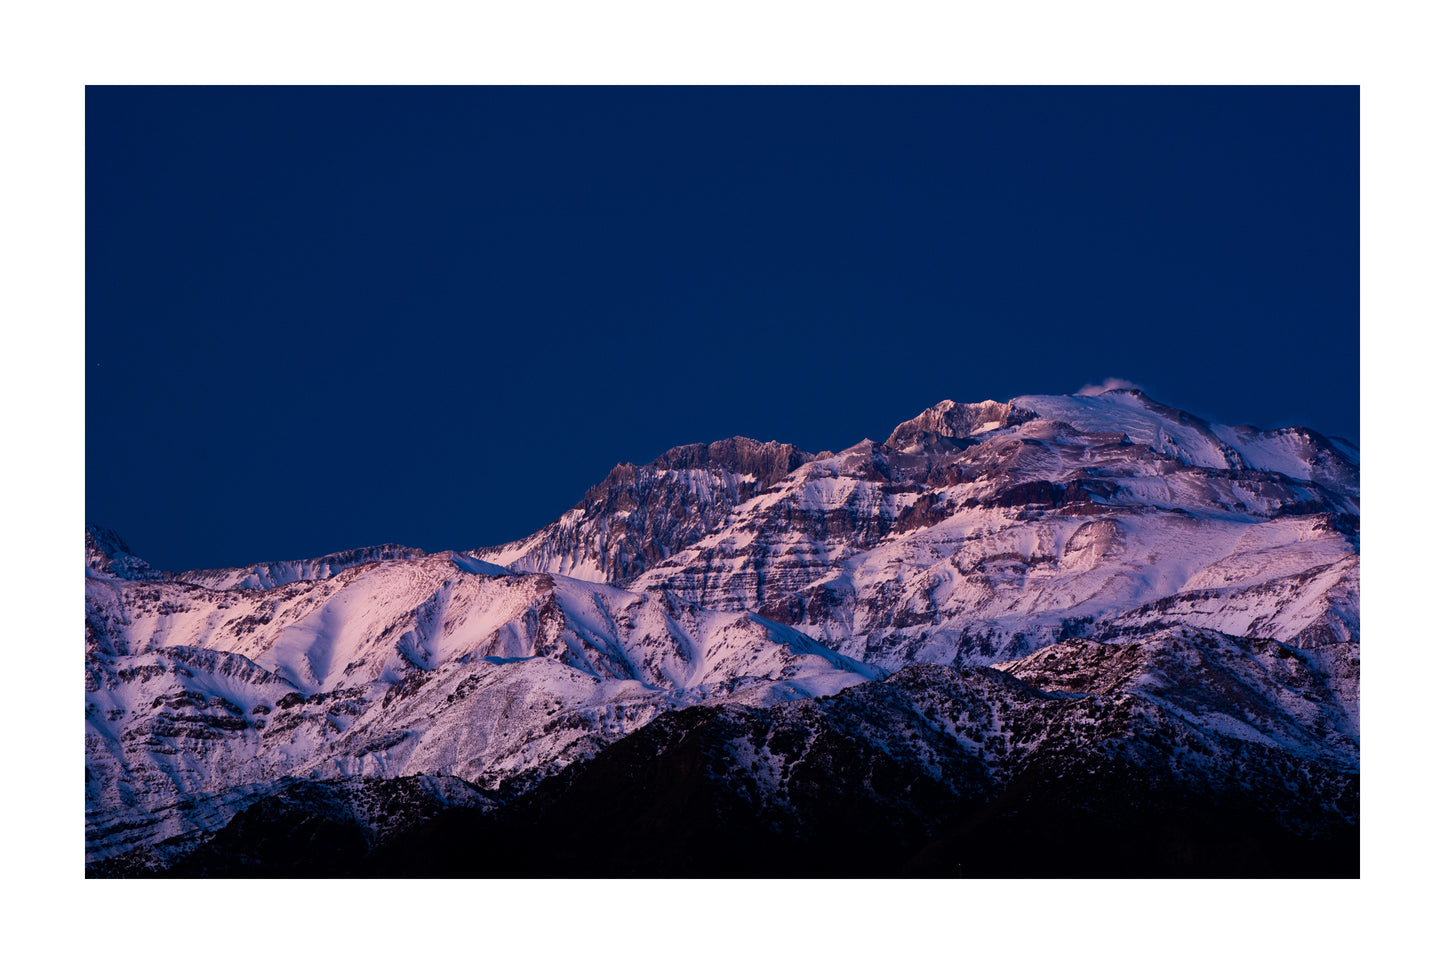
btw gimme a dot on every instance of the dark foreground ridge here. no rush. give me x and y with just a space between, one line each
930 773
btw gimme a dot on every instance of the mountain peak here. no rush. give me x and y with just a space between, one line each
107 553
769 461
956 419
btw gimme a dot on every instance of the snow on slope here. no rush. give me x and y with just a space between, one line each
106 555
733 573
1294 452
440 665
640 514
1183 753
1059 512
268 575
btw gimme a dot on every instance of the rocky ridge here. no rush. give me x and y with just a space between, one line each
1091 547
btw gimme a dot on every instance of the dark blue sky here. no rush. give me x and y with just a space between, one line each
325 318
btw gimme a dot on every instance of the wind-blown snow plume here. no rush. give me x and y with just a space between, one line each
1110 384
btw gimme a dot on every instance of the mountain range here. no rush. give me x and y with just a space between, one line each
1081 635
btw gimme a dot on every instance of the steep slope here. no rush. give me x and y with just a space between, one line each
440 665
107 555
1093 760
269 575
951 419
639 515
966 549
1103 550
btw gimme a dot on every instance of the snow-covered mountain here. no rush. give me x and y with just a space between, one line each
1114 558
437 665
1139 766
640 515
983 531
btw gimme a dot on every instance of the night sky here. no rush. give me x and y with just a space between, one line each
322 318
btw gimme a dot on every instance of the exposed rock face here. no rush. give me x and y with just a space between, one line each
1140 579
268 575
106 553
991 547
639 515
953 420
